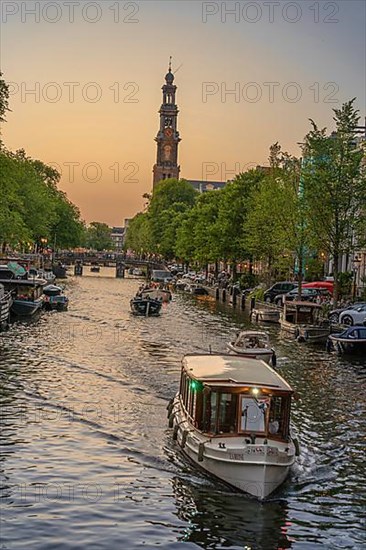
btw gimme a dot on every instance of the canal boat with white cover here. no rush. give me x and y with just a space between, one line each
254 344
231 416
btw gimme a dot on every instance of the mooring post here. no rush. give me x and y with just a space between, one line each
78 269
120 270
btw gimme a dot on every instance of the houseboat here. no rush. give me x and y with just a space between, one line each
231 417
27 295
304 321
254 344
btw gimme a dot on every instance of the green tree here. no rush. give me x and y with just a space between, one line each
335 186
233 211
138 234
4 98
98 236
170 200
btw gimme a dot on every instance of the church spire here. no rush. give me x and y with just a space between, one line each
167 137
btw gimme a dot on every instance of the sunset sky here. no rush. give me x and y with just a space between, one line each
103 137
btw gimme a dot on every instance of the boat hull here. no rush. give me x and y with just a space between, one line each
313 335
147 308
306 333
258 469
265 316
342 345
24 308
58 303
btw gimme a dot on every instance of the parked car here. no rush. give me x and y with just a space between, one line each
278 288
352 317
307 294
335 313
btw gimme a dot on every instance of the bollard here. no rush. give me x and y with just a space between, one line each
120 270
78 269
243 302
223 295
217 295
252 303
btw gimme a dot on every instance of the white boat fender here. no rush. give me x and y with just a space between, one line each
175 432
297 446
171 401
170 407
201 450
184 439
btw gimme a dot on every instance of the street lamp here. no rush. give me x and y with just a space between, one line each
356 266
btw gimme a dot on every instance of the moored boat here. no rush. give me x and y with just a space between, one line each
265 315
304 321
147 307
54 299
351 340
196 290
231 416
41 274
27 298
254 344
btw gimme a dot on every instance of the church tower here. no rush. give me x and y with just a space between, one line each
167 138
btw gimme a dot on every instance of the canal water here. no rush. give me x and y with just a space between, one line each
87 459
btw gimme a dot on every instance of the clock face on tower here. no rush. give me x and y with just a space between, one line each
168 132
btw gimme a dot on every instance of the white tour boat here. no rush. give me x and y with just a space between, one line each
231 416
254 344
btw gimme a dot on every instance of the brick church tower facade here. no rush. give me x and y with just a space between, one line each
167 138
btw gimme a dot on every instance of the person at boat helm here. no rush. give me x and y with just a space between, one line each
253 342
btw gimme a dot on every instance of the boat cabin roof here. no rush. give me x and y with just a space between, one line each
233 371
23 282
297 304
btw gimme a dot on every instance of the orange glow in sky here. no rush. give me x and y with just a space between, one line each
86 86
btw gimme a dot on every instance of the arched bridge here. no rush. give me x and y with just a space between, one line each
107 260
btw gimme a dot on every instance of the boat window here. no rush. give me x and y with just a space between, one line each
227 421
362 333
209 411
278 418
253 414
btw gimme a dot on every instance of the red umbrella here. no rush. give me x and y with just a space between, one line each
320 284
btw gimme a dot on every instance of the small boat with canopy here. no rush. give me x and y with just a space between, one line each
254 344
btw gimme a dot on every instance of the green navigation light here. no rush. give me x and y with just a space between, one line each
196 385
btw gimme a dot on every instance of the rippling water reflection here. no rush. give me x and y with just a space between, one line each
88 462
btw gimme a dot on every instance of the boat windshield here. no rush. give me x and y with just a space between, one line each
253 414
219 412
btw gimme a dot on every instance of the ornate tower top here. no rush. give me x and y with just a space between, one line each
167 137
169 77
